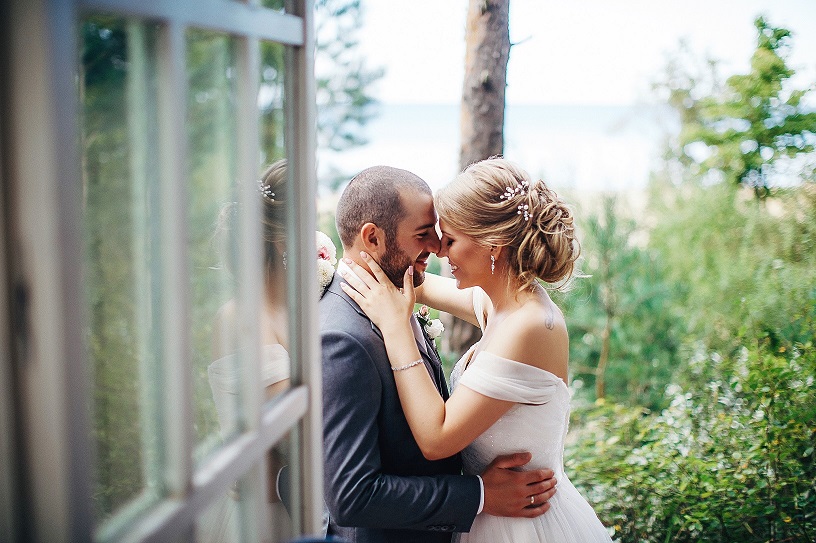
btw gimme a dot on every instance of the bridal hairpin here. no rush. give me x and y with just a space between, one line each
521 189
266 191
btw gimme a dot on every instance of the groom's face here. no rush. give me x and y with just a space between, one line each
415 239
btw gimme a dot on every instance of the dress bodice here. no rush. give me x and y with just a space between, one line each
225 381
221 523
538 422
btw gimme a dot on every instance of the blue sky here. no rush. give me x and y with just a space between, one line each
577 52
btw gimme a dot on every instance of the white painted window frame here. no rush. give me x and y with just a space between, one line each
46 470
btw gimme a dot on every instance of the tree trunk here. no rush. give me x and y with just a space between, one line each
487 42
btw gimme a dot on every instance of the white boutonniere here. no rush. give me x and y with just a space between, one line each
326 260
432 327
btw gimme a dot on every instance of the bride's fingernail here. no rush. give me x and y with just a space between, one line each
411 270
347 260
363 254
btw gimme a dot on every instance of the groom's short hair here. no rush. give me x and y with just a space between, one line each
373 195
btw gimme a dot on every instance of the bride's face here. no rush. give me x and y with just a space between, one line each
469 261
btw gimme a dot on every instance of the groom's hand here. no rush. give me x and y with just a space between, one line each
512 493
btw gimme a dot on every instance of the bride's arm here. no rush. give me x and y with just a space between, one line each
441 429
441 293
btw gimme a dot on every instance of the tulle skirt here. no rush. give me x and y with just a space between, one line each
570 519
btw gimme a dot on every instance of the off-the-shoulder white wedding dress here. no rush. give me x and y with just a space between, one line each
537 424
220 523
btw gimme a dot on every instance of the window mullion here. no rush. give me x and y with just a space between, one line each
143 197
249 286
300 146
177 409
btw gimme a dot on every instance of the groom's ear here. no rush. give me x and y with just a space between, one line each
373 238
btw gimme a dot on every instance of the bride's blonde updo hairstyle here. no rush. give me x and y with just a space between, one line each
496 203
271 191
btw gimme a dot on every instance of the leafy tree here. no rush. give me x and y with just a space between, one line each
343 80
743 129
745 268
624 332
732 456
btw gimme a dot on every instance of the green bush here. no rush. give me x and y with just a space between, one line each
732 460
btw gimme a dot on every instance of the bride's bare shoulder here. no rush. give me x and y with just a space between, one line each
535 334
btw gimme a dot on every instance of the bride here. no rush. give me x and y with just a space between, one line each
502 233
221 523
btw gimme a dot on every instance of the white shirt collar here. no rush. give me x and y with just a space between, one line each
346 268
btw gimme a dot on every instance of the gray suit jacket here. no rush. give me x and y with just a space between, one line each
378 486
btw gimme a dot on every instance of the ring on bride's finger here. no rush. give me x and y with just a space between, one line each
532 499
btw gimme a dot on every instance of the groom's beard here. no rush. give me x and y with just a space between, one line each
394 262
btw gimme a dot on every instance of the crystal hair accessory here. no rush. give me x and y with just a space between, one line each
266 191
521 189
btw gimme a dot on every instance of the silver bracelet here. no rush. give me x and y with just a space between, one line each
406 366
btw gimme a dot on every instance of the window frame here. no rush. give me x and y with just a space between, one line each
46 470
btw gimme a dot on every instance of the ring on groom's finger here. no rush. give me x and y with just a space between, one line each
532 499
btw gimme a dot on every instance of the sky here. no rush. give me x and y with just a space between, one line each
577 61
578 52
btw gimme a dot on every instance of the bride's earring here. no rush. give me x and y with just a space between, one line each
492 264
283 257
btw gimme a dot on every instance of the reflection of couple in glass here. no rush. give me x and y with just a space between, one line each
224 372
405 460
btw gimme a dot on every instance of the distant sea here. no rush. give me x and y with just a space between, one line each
574 147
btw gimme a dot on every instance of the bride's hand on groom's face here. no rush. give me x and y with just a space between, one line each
384 303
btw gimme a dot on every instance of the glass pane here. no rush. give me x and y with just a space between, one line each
121 256
232 518
277 5
280 496
270 102
213 209
214 224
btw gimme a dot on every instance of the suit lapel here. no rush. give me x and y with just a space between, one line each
434 365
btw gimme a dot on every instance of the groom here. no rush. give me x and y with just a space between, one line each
378 486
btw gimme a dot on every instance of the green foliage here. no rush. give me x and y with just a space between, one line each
343 81
741 130
747 268
114 352
732 460
731 457
624 331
